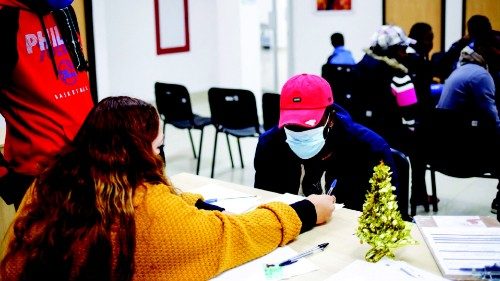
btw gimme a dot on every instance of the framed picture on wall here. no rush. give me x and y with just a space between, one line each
333 5
171 25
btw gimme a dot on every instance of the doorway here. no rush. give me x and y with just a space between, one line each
273 44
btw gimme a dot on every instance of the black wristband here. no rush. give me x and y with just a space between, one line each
307 213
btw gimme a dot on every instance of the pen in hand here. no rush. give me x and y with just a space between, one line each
318 248
332 186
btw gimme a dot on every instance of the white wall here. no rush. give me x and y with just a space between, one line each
311 32
126 57
224 43
453 25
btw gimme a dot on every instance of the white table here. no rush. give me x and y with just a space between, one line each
344 245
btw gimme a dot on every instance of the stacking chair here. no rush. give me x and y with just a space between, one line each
233 112
461 147
174 106
270 109
341 78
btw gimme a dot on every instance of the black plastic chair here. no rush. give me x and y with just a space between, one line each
341 78
174 106
403 175
461 147
233 112
270 109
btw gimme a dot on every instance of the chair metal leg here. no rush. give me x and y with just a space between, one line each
434 194
213 157
199 152
230 153
241 155
192 143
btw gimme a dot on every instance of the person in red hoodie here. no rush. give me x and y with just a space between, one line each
44 88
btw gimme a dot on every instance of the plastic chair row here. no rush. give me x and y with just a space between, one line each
233 112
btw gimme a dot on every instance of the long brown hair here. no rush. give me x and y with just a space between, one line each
87 192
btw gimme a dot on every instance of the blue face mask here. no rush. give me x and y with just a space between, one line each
306 144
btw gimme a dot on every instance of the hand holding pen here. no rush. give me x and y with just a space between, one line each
324 206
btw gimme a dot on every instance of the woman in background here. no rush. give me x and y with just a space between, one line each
104 210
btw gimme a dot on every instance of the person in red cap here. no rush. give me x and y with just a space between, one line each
320 136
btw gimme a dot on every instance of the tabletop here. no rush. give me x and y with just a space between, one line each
344 246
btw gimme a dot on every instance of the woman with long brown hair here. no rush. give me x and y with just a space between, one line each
104 210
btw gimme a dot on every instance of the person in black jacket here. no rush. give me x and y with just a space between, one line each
315 137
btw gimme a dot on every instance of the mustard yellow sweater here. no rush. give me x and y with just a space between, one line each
177 241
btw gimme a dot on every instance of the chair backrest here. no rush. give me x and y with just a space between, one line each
270 109
173 102
461 146
233 108
341 78
403 180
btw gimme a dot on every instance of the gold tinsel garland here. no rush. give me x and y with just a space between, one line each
380 224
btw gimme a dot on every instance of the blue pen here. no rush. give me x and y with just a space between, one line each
213 200
332 186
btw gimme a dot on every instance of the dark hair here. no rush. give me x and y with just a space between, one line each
337 39
479 28
64 232
422 33
419 30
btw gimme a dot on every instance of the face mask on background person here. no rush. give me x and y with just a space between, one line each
306 144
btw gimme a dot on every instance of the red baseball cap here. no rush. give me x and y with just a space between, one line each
303 100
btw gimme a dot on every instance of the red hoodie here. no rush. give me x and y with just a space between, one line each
43 112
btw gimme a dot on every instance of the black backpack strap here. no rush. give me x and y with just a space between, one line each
9 23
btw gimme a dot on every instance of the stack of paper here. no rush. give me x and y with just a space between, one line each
383 270
460 244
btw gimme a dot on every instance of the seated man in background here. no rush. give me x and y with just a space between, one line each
469 94
385 100
315 137
105 210
340 55
478 28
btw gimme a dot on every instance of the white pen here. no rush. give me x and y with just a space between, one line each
320 247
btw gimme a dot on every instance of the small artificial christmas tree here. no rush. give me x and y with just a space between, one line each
380 224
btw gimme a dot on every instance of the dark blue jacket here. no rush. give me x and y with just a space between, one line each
355 151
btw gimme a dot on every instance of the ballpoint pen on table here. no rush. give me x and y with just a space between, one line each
491 272
213 200
318 248
332 186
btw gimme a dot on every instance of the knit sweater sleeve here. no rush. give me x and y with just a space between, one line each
177 241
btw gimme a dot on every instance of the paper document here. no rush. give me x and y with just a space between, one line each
232 200
383 270
254 270
460 243
292 198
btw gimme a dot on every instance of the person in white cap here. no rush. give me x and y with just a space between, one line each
386 101
320 136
